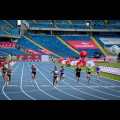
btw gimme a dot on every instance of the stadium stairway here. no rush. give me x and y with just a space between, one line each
34 21
40 46
106 22
6 31
67 44
5 53
8 23
99 46
69 21
91 27
56 26
26 51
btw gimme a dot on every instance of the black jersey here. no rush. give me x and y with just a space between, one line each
78 71
4 69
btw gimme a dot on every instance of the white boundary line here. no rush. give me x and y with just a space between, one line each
95 89
101 81
61 90
21 85
42 90
80 90
99 76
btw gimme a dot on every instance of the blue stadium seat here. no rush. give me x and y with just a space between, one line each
53 44
13 31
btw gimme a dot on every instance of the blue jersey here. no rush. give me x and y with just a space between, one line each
62 71
33 69
97 69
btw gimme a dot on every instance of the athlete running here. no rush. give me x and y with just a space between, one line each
33 73
89 70
62 73
3 71
78 72
9 71
55 75
97 71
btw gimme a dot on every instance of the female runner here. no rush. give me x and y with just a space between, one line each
62 73
33 73
78 72
9 71
55 77
97 71
3 71
89 70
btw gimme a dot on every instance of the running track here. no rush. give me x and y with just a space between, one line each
21 87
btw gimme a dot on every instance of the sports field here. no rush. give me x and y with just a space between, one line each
21 87
103 74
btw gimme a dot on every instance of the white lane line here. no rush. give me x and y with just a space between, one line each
12 85
41 89
28 85
102 85
45 85
94 89
99 76
61 90
80 90
21 85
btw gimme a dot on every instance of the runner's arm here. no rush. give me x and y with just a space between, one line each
12 70
52 71
36 69
99 70
60 70
74 71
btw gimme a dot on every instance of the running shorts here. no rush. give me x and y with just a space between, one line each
89 72
55 77
8 75
77 75
97 73
34 73
62 73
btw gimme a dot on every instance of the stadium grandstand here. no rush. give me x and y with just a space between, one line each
61 38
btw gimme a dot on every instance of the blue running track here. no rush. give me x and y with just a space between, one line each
21 87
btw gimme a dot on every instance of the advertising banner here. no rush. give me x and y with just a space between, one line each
110 41
45 51
11 45
83 44
28 58
32 51
110 70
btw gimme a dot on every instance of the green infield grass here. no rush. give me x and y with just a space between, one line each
103 74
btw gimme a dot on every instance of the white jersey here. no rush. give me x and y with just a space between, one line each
55 72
